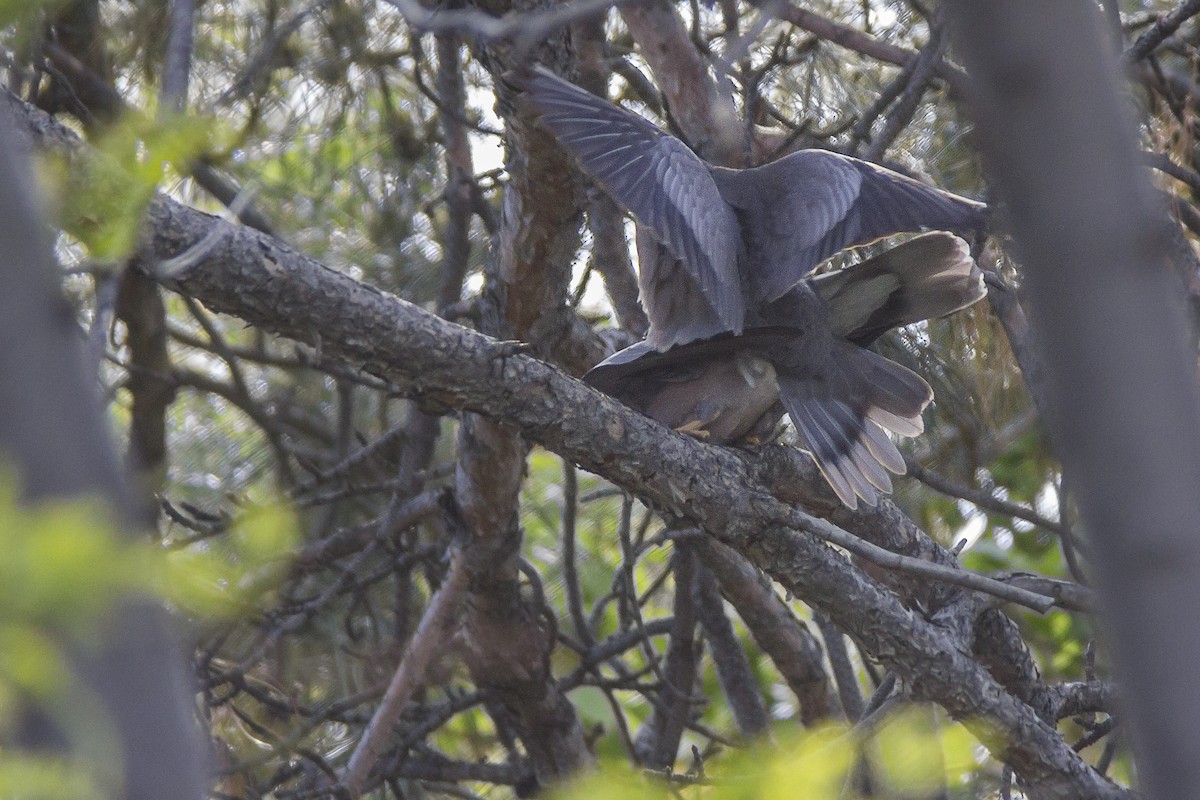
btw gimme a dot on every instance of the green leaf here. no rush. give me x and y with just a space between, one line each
101 199
265 534
613 779
47 778
25 17
815 766
908 754
29 661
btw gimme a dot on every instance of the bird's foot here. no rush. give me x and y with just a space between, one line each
504 348
695 428
498 352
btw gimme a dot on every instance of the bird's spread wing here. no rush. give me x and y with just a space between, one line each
929 276
802 209
666 186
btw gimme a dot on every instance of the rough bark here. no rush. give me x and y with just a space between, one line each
141 308
526 291
794 651
270 286
739 684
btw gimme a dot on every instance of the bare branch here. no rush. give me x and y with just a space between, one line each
658 740
277 289
430 639
737 679
1166 25
793 649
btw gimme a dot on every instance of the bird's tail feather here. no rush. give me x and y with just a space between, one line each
843 414
924 278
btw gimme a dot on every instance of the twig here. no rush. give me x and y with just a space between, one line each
658 741
734 672
859 42
860 131
569 566
843 671
980 498
427 642
524 28
266 55
792 647
924 71
1068 595
1164 164
915 566
882 694
1166 25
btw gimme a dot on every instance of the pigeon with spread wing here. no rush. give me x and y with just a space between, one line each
738 328
815 365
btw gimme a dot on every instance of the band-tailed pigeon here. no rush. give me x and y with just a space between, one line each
735 326
741 238
814 365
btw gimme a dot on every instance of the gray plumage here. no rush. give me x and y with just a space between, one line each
927 277
739 333
812 364
740 238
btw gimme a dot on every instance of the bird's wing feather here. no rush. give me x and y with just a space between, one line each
611 375
929 276
666 186
816 203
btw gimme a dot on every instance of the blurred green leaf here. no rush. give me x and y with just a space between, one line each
914 756
216 582
64 562
25 16
613 779
815 765
47 778
30 661
265 533
101 200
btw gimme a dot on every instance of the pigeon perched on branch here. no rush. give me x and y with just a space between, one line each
739 330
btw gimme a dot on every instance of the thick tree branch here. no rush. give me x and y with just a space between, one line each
527 283
263 282
1160 30
793 649
141 308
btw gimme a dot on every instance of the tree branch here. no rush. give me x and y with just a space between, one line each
274 288
1166 25
429 640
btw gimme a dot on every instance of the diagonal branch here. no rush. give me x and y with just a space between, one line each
1160 30
272 287
429 640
